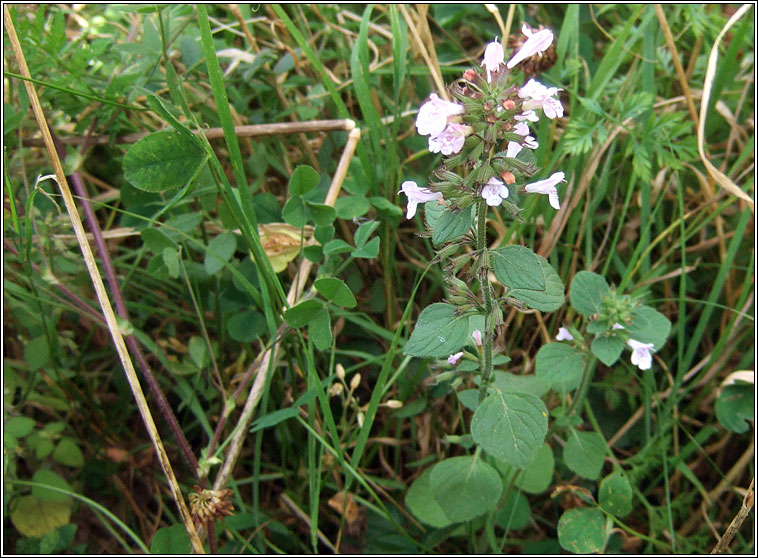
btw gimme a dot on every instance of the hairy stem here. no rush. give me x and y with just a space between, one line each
484 285
581 393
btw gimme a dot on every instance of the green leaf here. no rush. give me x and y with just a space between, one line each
615 494
337 246
584 453
171 540
560 365
198 350
44 476
649 326
68 453
363 233
34 518
587 292
37 353
440 331
607 348
368 251
323 215
350 207
422 504
156 240
294 212
582 530
18 427
530 278
219 251
59 540
735 405
336 291
517 267
171 261
303 179
451 225
536 478
432 213
505 381
515 513
163 161
246 326
510 426
303 313
320 330
465 487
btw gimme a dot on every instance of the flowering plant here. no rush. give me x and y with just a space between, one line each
484 136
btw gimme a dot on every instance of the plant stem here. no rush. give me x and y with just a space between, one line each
484 282
581 393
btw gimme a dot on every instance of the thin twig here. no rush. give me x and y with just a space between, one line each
248 131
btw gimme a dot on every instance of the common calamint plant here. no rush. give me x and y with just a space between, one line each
483 134
484 137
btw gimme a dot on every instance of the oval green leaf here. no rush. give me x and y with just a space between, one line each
530 278
536 478
510 426
422 504
439 332
220 250
584 453
336 291
587 292
649 326
560 365
465 487
304 179
300 315
616 494
34 518
607 348
582 530
163 161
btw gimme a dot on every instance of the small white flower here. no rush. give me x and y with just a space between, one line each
494 55
641 354
529 115
522 129
547 186
617 326
564 335
477 335
536 43
540 96
450 140
453 359
417 195
433 115
513 149
494 192
530 142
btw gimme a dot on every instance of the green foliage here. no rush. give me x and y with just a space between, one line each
440 331
469 476
163 161
582 530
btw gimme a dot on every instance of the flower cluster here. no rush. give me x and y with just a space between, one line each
490 113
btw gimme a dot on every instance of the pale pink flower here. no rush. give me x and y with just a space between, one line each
453 359
529 115
494 192
530 142
513 149
494 55
522 129
536 43
417 195
641 354
433 115
547 186
617 326
540 96
477 335
450 140
564 335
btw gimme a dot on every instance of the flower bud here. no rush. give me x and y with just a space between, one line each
340 371
393 404
508 177
360 419
355 382
508 104
335 390
469 75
